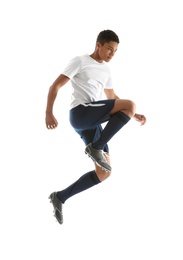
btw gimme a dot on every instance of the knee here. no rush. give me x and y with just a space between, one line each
102 174
131 109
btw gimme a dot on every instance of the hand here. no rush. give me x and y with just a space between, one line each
140 118
51 122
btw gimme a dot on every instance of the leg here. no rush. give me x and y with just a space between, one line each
86 181
120 114
95 149
117 116
126 106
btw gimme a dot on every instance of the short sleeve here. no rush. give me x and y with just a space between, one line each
109 83
72 68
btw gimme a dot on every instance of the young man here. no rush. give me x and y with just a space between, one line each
90 78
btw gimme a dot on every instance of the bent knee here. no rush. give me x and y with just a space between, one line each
131 109
102 174
126 106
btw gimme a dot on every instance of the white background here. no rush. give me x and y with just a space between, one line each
136 213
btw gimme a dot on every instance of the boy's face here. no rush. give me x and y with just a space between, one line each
107 51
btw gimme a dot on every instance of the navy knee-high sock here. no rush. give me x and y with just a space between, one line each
115 123
86 181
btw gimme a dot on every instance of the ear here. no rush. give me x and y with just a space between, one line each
98 45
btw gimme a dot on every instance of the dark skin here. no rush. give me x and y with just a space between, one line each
102 53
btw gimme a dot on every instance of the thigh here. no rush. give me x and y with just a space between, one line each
89 115
124 105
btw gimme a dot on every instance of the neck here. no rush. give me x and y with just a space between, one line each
96 57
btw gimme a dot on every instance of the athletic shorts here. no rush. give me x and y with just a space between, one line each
87 119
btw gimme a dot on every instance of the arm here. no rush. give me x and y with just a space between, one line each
51 121
110 94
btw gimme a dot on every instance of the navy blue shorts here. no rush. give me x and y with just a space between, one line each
87 119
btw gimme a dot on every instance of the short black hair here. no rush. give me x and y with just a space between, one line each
107 36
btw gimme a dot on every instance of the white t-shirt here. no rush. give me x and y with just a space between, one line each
88 79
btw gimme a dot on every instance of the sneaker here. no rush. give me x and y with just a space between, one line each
57 205
98 157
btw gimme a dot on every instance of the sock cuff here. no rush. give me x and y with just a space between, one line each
94 177
125 118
